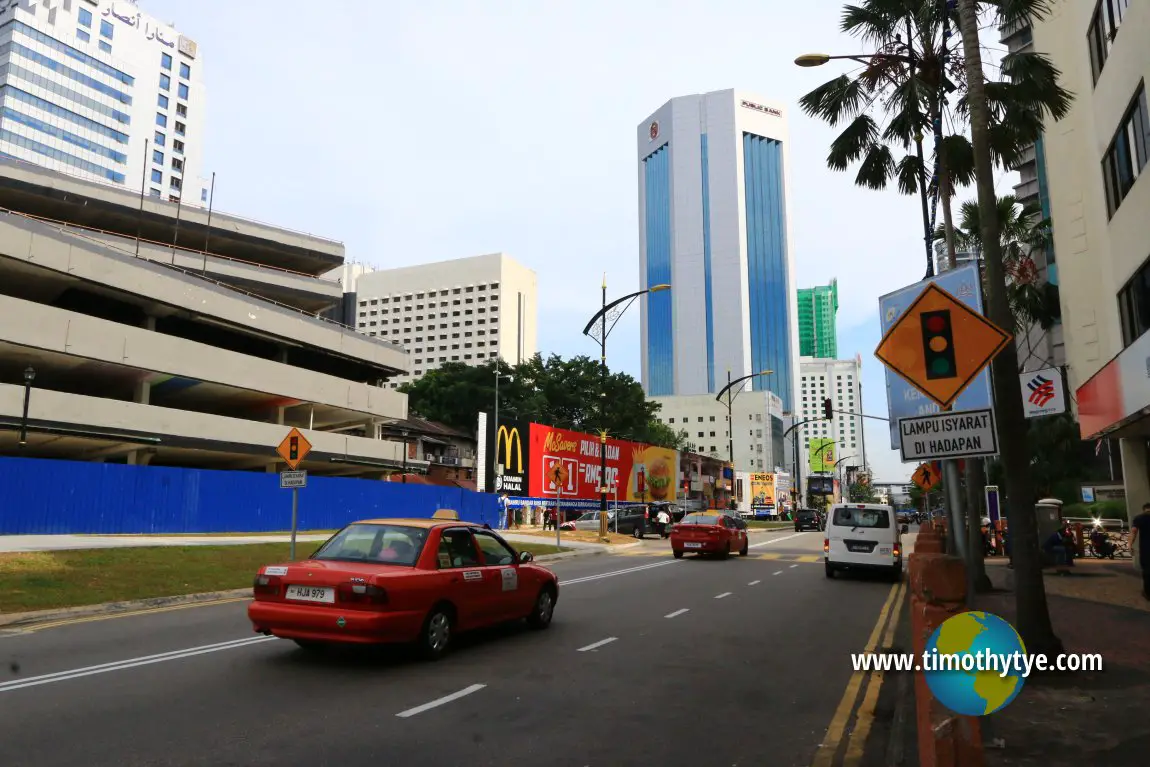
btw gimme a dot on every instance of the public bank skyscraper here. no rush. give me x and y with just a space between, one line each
713 223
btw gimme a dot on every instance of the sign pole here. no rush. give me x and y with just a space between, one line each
294 518
558 514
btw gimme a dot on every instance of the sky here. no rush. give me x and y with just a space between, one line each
424 131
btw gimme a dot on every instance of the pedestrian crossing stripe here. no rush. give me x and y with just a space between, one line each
803 558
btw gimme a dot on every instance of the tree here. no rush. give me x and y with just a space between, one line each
861 492
1033 614
553 391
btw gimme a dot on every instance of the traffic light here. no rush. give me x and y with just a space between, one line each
828 413
938 345
293 448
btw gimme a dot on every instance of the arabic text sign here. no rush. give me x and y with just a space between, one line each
902 399
953 434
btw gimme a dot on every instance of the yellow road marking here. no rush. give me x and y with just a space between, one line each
110 616
865 717
824 757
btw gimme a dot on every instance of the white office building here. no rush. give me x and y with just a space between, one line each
713 223
100 90
469 310
841 381
758 427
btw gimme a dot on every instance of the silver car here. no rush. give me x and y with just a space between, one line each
590 521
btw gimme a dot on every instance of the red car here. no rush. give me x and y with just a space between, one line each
709 533
402 580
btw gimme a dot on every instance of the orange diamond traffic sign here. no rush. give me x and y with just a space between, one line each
940 345
293 448
927 476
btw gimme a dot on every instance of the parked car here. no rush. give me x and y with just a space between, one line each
809 519
415 581
714 532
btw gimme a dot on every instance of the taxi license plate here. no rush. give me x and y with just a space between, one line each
692 545
884 550
312 593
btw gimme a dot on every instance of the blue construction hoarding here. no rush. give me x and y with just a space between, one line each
55 497
902 399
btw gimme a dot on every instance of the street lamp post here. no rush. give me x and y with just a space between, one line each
838 466
603 323
403 477
730 405
495 429
29 376
818 59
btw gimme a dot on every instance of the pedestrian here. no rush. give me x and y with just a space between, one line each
505 509
662 519
1140 546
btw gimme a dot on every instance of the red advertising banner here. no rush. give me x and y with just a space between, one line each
568 461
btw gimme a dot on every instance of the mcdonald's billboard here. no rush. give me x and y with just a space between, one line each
510 458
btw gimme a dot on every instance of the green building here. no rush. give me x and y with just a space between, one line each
817 309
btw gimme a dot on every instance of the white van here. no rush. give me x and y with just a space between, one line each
863 536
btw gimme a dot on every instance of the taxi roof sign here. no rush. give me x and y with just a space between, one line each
940 345
294 448
927 476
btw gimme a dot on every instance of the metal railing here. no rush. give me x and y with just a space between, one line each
124 188
63 229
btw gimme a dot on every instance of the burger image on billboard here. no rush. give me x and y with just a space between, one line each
659 477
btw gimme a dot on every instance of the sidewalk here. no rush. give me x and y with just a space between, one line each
1082 718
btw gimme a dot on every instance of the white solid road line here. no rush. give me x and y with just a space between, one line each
775 540
624 571
724 594
104 668
677 612
597 645
793 566
441 701
754 583
777 572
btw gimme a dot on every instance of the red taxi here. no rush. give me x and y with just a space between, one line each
709 533
402 580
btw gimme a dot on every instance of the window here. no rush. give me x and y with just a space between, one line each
495 551
106 29
155 192
157 176
85 18
180 127
161 120
1127 155
182 90
185 71
392 544
157 156
203 195
165 83
105 46
1134 305
174 183
163 101
182 110
83 35
166 61
178 146
1104 25
177 164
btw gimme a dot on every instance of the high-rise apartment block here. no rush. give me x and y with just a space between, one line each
713 224
818 336
469 310
101 90
840 381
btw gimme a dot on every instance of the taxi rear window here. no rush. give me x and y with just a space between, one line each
378 544
845 516
700 519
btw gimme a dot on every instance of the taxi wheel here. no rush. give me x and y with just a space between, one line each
310 646
544 610
435 639
678 554
725 553
745 550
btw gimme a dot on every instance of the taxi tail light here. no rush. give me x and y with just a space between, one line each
267 584
826 545
897 551
362 593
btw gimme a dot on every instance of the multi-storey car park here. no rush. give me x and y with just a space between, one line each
167 335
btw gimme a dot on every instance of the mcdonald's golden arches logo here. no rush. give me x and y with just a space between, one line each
509 437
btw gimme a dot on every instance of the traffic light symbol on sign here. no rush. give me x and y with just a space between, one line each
938 345
293 448
828 412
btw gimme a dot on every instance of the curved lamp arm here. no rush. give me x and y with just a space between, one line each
607 310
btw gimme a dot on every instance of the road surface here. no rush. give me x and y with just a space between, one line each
650 661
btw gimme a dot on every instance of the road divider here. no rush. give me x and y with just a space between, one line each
440 701
754 583
677 613
596 645
723 595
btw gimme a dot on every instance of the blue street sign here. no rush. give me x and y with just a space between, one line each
902 399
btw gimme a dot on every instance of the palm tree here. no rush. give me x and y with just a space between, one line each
1024 232
918 64
1033 614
